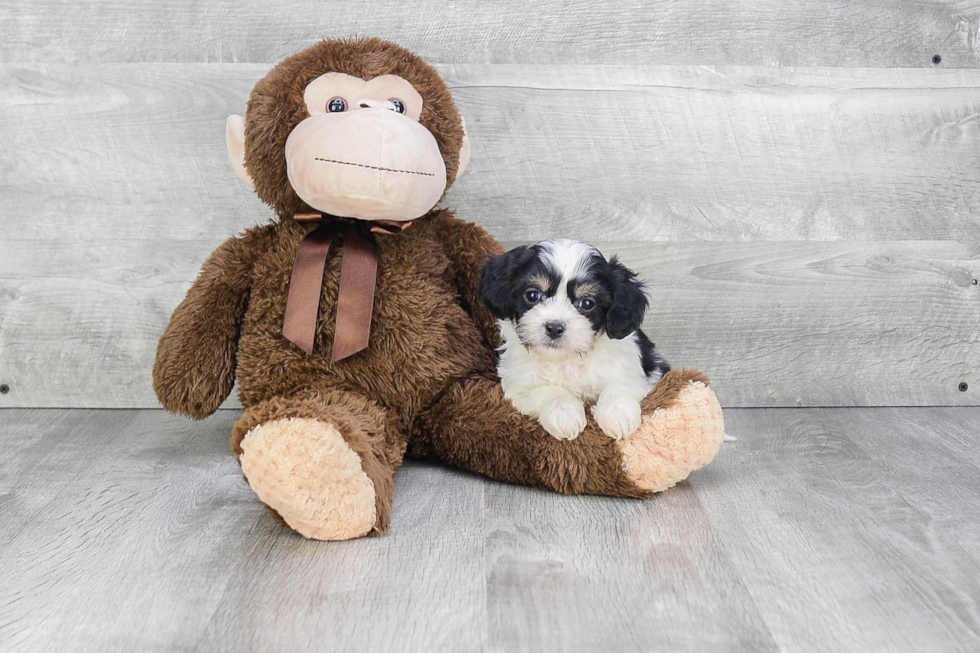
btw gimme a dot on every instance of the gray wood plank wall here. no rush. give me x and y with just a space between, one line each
798 182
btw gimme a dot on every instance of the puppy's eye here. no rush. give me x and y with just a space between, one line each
336 105
399 105
533 295
585 304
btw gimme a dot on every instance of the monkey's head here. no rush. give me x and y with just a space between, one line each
359 129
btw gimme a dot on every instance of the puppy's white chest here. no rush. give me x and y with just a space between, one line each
585 375
577 374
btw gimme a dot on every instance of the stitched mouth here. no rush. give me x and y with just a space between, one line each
363 165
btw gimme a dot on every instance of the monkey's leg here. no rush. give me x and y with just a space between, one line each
323 462
475 428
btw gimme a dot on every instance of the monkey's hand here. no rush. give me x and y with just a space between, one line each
195 363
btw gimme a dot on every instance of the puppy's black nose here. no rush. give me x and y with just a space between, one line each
554 329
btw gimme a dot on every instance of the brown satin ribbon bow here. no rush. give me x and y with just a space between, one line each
358 274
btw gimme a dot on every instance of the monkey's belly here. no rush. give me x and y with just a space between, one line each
420 339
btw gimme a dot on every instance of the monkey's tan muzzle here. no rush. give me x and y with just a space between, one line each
368 163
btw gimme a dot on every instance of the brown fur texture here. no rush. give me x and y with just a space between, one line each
361 422
514 449
426 384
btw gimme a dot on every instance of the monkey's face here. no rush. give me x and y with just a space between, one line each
361 129
362 153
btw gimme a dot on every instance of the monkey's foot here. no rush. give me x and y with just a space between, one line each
674 441
304 470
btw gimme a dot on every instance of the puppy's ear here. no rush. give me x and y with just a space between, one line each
497 279
629 302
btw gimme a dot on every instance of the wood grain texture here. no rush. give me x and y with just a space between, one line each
593 152
821 489
778 324
818 529
31 466
125 528
809 232
424 589
817 324
748 32
722 154
600 574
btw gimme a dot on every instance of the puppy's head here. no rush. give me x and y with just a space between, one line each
560 295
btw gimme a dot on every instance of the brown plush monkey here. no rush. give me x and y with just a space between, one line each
347 141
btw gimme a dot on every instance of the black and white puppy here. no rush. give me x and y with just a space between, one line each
570 324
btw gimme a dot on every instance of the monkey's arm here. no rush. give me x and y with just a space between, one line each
195 363
467 247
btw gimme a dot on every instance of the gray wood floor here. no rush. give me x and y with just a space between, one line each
817 530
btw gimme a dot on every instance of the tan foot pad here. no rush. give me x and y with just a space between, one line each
306 471
673 442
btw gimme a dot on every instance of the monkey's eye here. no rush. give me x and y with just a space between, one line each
585 304
532 295
399 105
336 105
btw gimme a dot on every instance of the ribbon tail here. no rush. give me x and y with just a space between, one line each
303 302
355 301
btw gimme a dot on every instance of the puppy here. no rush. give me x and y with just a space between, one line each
570 324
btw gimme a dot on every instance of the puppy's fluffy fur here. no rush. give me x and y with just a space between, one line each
570 325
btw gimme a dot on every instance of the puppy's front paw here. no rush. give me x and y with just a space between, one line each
564 419
618 417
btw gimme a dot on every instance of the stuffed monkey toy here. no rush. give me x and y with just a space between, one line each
352 321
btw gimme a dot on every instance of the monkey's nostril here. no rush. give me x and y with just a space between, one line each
554 329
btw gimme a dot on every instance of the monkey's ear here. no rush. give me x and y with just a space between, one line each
235 138
464 152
